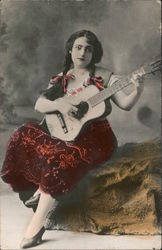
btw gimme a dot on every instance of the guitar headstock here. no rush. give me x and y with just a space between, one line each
151 68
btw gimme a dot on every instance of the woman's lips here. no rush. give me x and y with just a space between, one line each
81 58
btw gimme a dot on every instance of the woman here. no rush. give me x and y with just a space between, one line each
35 159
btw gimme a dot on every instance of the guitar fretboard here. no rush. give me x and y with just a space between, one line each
109 91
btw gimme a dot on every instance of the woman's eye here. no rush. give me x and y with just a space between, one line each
79 47
89 49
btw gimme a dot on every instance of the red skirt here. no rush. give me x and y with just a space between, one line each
34 158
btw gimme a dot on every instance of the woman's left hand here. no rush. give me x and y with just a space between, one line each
138 81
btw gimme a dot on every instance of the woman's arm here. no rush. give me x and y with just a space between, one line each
47 102
43 105
124 101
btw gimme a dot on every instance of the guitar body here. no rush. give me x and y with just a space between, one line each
73 125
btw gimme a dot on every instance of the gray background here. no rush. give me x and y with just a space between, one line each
33 35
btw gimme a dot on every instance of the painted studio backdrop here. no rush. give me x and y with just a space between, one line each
32 40
33 35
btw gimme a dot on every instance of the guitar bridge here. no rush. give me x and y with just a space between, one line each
62 122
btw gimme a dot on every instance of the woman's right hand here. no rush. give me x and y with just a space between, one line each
79 110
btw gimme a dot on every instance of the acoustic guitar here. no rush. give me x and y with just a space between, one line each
67 128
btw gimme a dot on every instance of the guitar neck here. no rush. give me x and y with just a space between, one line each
111 90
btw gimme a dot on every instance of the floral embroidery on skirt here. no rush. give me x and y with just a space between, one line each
35 158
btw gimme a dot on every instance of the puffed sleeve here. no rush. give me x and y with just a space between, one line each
114 78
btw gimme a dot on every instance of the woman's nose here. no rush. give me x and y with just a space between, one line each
82 52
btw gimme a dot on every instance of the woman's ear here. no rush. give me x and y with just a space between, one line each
69 51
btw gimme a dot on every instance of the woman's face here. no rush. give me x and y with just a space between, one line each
81 53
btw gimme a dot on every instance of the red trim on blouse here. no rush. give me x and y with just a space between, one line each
96 80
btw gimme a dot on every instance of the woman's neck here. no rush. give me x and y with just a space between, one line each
80 72
80 75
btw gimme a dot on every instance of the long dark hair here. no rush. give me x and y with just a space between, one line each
92 40
57 90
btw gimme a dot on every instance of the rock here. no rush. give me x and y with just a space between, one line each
121 197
